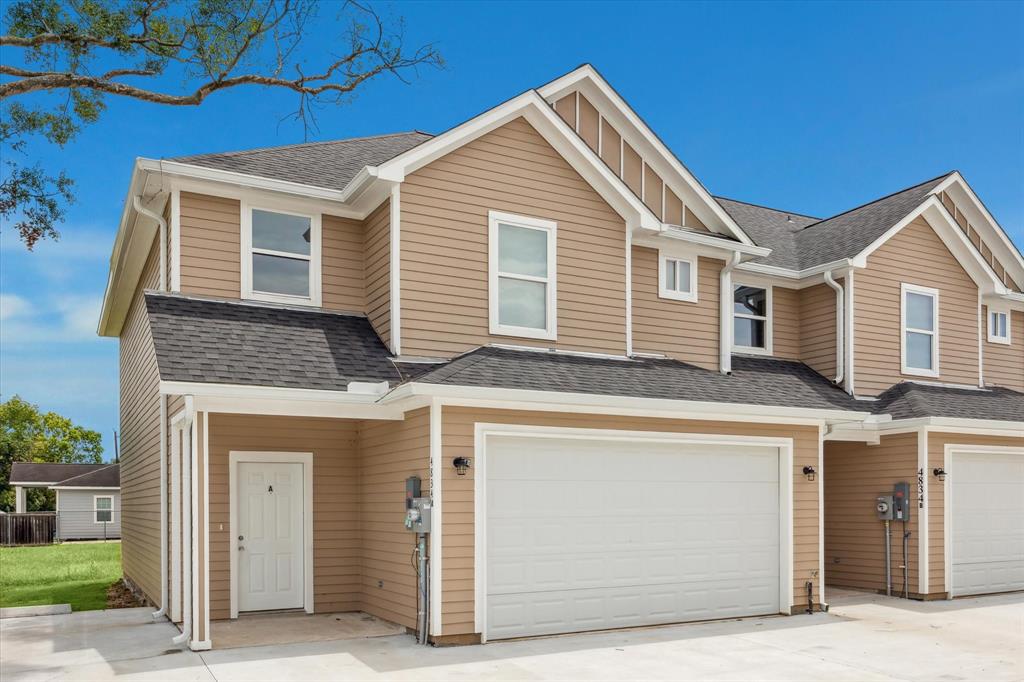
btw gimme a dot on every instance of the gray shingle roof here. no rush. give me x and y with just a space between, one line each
805 242
107 476
755 381
908 400
45 473
330 165
240 343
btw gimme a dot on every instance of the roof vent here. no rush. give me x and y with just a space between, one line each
368 387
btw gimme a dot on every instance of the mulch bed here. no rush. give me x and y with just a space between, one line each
120 597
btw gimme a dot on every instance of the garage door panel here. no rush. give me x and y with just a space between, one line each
653 533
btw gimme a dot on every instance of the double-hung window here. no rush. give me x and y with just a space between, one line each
999 325
677 278
280 256
919 316
522 276
103 508
751 319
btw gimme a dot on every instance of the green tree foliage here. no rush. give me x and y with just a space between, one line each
28 435
72 54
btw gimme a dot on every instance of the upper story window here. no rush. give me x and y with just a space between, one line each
280 256
751 319
522 276
677 278
919 316
999 325
103 507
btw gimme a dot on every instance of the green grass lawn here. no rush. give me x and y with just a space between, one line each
72 573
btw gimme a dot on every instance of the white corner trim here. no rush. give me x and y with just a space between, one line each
306 460
437 524
923 508
206 532
246 253
175 228
691 293
905 289
629 289
494 220
821 517
395 267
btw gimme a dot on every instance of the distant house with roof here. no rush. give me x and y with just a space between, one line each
88 496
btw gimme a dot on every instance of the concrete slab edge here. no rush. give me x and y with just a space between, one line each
42 610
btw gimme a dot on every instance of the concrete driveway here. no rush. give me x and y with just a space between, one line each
864 637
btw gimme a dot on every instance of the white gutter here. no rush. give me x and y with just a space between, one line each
706 239
187 455
142 210
241 179
725 314
787 273
840 333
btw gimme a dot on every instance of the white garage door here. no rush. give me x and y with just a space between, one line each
592 534
987 511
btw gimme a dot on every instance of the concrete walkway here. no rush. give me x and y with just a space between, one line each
864 637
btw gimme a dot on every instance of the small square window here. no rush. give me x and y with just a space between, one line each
677 278
999 326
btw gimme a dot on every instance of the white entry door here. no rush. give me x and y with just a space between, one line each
987 508
270 536
589 534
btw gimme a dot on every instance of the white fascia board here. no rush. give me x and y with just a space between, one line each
785 273
198 389
1011 250
705 239
240 179
587 78
619 405
531 106
84 487
870 431
113 276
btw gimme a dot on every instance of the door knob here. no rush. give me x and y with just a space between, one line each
241 537
240 548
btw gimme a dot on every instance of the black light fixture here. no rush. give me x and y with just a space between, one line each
461 465
940 473
809 472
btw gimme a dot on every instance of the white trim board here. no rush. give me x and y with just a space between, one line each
483 430
306 460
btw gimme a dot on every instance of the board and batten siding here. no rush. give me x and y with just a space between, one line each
1004 364
458 531
140 440
679 329
915 255
817 316
937 443
444 251
389 453
76 515
855 474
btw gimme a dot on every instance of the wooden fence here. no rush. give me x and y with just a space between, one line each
33 528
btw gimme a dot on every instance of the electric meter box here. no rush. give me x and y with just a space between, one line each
901 502
884 508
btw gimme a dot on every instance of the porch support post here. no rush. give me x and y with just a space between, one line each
200 640
19 500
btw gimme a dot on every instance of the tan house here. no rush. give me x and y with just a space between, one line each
628 402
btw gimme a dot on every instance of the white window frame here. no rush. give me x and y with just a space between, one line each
96 510
934 333
664 292
992 312
550 332
752 350
314 258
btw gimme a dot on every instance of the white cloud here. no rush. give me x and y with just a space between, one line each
66 319
13 306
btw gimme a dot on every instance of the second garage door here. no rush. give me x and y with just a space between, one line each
587 534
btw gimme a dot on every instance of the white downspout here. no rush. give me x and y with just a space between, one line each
840 327
186 506
162 236
725 314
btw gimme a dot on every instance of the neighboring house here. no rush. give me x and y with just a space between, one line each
88 496
674 406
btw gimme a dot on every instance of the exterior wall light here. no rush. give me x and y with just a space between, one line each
809 472
461 465
940 473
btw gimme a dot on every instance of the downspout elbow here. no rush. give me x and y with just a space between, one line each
840 327
724 313
142 210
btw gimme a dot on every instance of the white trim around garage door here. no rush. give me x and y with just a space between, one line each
484 430
947 506
306 460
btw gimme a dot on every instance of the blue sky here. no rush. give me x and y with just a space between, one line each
812 108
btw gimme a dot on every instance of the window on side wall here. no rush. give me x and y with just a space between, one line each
999 325
677 278
919 316
103 506
522 276
280 256
751 319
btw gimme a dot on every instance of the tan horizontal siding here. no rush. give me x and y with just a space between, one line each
342 260
140 440
458 536
211 245
915 255
377 269
444 251
855 474
818 329
937 443
786 323
679 329
1004 364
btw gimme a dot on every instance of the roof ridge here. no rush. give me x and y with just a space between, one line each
103 466
767 208
238 152
875 201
